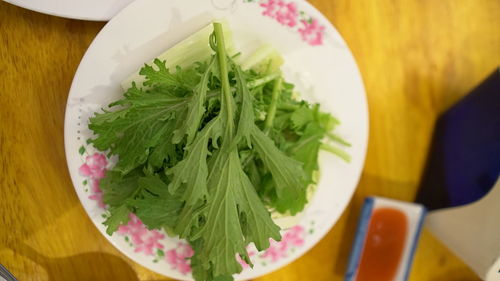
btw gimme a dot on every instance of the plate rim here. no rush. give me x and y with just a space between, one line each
66 15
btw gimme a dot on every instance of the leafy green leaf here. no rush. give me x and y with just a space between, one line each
158 211
223 220
160 76
306 149
118 189
301 117
154 185
131 133
190 220
117 216
192 170
195 109
258 226
246 118
288 175
164 152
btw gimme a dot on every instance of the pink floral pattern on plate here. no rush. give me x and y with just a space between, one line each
143 239
284 13
149 242
178 258
312 32
288 14
94 170
251 253
292 238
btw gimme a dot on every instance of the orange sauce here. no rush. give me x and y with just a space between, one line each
384 245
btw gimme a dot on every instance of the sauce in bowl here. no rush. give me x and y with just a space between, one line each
384 245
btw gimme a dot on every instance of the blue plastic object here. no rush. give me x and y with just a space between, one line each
464 159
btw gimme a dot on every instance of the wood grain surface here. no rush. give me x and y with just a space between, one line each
417 57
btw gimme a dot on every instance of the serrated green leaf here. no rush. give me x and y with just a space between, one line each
156 206
195 109
159 75
288 175
164 152
258 226
192 171
117 216
246 118
189 220
234 197
157 212
222 220
133 132
117 189
154 185
306 149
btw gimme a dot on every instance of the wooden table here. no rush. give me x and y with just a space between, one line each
417 57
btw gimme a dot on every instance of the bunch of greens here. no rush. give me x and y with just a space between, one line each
206 151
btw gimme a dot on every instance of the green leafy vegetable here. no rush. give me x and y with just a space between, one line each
205 151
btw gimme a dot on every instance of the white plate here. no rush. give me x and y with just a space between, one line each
98 10
323 70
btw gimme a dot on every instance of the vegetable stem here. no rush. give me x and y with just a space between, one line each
338 139
248 160
271 112
288 107
226 89
253 84
263 80
337 151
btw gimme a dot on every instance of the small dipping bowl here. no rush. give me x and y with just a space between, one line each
385 241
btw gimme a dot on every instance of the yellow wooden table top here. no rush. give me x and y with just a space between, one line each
416 57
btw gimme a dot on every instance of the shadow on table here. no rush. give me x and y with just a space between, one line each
93 266
446 276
